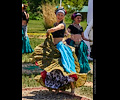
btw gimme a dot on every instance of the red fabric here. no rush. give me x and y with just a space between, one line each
43 74
36 63
74 76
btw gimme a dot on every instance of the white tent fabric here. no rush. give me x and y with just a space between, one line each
88 33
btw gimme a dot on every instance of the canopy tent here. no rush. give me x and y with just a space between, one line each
84 9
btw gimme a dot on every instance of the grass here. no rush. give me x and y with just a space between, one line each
28 81
89 77
85 91
33 42
36 26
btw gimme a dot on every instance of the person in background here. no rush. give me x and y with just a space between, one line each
76 40
26 48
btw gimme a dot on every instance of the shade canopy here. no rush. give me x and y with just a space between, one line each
84 9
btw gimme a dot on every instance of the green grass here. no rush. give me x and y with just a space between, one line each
85 91
36 26
33 42
28 81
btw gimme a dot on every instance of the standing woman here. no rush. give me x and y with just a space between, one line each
57 59
76 41
26 48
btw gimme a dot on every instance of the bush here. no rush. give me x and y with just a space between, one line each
35 16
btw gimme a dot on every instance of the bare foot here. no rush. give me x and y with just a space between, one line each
72 91
50 90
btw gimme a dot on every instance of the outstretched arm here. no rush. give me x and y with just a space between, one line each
83 37
59 27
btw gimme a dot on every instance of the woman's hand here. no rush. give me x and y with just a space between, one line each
90 40
27 15
47 33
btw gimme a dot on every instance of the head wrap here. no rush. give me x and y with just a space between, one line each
75 15
62 10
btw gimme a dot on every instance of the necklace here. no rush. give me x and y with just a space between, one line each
76 25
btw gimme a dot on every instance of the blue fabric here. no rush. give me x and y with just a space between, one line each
26 48
66 57
82 56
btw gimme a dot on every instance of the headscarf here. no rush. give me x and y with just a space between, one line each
62 10
75 15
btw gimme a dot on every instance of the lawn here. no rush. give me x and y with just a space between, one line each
33 42
36 26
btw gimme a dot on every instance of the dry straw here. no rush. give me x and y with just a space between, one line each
49 15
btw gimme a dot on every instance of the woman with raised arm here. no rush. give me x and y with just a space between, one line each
57 59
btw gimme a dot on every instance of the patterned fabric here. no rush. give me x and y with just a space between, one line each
55 79
48 58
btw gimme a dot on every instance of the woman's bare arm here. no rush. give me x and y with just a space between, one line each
83 37
59 27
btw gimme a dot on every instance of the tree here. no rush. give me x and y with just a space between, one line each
74 5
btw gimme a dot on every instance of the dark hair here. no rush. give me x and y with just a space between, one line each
75 14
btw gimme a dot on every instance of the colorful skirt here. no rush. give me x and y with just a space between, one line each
26 48
60 65
81 53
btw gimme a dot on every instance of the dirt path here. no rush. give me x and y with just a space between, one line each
41 93
89 84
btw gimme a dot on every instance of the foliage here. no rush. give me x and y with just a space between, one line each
35 6
74 5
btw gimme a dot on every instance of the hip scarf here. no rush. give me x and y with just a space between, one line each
82 53
25 30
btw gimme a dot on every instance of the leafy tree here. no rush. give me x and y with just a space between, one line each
74 5
24 1
35 6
